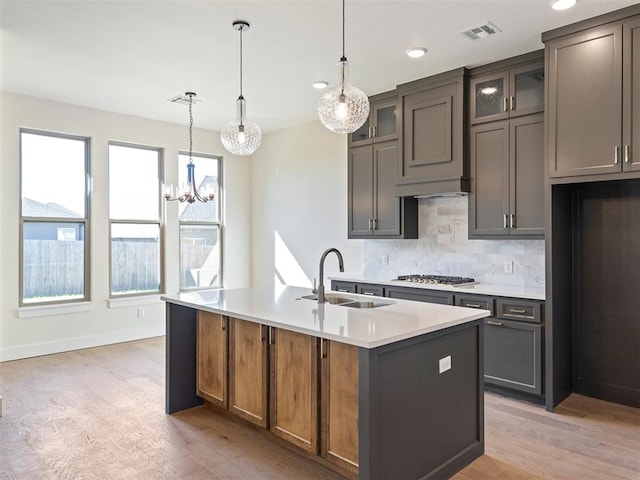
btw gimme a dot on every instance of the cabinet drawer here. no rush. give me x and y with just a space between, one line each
513 355
347 287
420 295
473 301
515 309
366 289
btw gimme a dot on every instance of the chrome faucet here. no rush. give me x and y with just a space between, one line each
320 289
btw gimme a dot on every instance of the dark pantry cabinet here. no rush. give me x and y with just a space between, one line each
594 98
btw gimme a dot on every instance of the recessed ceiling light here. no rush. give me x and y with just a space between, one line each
320 84
416 52
562 4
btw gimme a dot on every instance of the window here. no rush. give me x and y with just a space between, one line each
54 218
201 227
134 219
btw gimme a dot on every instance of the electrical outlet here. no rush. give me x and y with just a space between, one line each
385 259
444 364
508 267
140 312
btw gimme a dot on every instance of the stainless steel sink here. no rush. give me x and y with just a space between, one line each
329 298
334 299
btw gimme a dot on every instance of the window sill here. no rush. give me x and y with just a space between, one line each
133 301
46 310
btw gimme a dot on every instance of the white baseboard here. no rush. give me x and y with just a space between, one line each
78 343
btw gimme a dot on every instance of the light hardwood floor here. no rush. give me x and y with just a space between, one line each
99 414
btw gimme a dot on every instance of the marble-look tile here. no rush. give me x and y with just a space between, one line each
443 247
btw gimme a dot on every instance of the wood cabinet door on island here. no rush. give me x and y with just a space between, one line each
294 388
248 371
212 359
340 407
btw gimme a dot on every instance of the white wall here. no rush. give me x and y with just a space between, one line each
22 337
299 193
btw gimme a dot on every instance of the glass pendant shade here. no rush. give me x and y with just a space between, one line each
343 108
241 136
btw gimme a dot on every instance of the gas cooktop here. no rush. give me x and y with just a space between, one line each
437 279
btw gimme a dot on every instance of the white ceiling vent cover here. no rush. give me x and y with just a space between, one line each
481 31
183 100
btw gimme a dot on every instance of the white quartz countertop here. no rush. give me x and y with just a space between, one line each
282 307
478 288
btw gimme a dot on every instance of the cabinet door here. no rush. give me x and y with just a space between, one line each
362 136
419 295
526 167
386 218
513 355
432 134
340 408
385 121
631 87
338 286
526 89
584 105
489 97
360 191
294 388
212 358
489 196
248 375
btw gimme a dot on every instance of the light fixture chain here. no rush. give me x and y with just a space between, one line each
190 127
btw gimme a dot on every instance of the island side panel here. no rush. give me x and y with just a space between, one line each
417 423
180 387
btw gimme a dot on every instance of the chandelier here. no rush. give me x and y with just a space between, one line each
241 136
188 191
343 108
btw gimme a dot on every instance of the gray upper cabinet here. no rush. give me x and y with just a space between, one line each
433 135
593 97
507 154
382 124
507 93
374 211
507 178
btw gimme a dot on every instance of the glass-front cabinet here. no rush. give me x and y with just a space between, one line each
509 93
382 123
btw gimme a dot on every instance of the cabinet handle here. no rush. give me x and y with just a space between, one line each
371 224
627 154
472 305
270 335
519 311
375 223
504 221
323 348
506 104
511 103
616 152
493 322
370 132
512 221
375 131
368 293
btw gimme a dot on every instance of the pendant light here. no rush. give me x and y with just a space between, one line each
343 108
188 191
241 136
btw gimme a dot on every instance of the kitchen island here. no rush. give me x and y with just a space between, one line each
393 391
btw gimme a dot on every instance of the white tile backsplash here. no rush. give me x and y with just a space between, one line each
444 249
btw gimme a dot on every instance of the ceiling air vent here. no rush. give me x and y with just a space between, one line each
481 31
183 100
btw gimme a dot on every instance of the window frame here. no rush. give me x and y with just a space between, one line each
86 220
158 221
219 223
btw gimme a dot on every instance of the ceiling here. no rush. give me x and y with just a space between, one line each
130 56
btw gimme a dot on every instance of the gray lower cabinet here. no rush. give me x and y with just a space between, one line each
507 178
374 210
420 295
345 287
513 355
